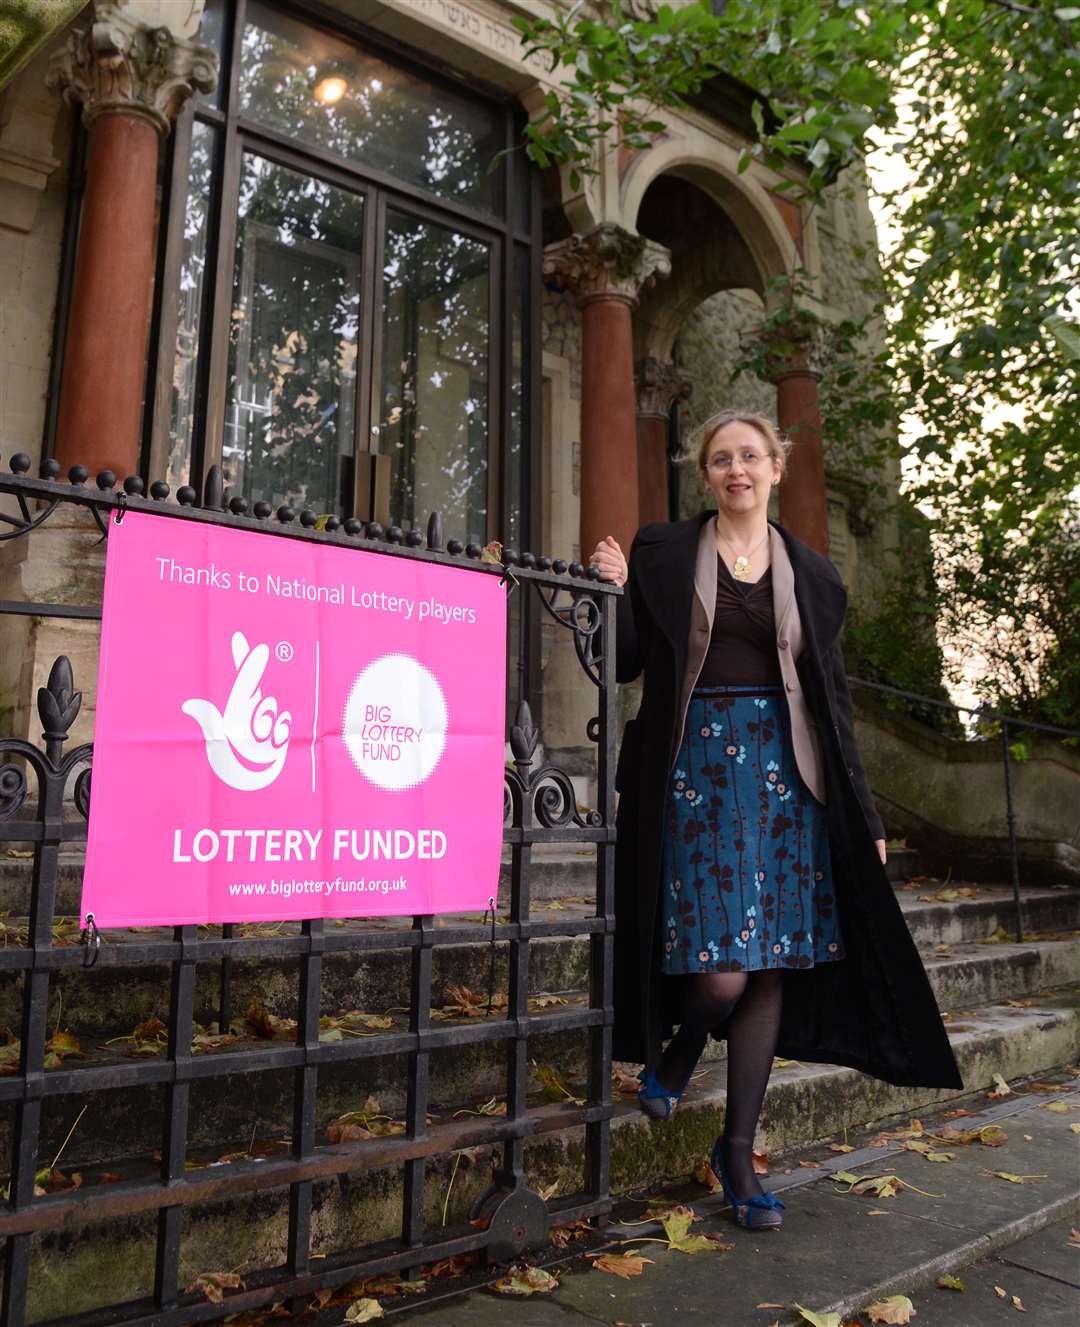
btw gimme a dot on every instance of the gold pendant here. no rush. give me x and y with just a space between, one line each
741 570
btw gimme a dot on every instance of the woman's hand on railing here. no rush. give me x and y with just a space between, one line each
879 844
608 556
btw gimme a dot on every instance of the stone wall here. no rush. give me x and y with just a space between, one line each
949 798
62 562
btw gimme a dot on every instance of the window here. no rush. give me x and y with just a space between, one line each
347 293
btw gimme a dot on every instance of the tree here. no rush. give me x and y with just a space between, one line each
980 96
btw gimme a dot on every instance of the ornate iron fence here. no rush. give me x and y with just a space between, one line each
45 794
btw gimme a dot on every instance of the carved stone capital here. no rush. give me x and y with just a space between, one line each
121 64
797 346
606 263
658 384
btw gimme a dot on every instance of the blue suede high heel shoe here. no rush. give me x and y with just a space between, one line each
761 1212
655 1099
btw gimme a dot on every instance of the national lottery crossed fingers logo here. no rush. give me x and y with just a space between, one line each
394 723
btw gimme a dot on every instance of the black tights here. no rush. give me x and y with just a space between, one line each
749 1003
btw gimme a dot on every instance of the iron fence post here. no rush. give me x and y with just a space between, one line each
1011 818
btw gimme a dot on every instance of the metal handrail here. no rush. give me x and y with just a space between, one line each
986 712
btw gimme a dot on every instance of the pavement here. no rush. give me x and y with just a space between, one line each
841 1250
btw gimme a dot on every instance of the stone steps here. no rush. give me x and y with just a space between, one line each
106 1002
805 1104
556 871
974 983
953 937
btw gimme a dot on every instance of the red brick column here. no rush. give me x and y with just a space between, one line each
803 508
802 490
658 385
606 269
131 81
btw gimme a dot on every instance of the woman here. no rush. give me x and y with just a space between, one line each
751 897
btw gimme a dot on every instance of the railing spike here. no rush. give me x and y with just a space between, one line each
435 530
214 490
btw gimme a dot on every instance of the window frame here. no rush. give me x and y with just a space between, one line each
235 135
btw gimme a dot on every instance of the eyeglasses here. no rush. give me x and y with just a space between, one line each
751 459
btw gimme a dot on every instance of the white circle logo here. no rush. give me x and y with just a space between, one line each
395 722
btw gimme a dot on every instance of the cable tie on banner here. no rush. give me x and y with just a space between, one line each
491 966
90 939
508 576
121 507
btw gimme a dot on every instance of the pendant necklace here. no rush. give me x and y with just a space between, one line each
741 569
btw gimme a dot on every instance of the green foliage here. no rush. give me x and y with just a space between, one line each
895 643
1013 602
821 73
980 99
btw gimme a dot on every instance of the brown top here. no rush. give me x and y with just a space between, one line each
742 647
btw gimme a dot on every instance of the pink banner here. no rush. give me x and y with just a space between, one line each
286 730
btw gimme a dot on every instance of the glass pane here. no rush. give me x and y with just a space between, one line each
212 33
516 524
330 93
433 408
189 302
290 407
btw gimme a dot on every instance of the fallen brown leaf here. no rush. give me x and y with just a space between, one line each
212 1285
895 1309
364 1310
703 1174
624 1265
525 1281
561 1236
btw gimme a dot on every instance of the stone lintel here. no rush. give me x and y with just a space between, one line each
120 64
606 263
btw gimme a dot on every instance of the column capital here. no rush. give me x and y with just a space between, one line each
121 63
658 384
796 347
606 263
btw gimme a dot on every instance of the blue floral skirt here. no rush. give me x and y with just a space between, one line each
746 873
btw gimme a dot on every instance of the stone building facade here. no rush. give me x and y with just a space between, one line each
137 147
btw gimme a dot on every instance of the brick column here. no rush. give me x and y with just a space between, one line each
131 80
659 385
606 269
796 375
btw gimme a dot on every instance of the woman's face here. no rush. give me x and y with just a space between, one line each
740 470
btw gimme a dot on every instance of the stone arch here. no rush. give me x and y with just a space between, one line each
712 168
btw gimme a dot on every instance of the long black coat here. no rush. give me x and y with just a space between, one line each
874 1010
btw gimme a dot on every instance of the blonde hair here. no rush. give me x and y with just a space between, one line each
779 444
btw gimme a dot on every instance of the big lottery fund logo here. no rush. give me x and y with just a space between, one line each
395 721
247 742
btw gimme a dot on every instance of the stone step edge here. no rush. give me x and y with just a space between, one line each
823 1078
1016 1103
972 1250
926 1272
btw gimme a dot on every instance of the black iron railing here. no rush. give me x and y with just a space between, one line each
986 714
44 802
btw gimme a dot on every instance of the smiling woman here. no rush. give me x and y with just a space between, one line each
751 902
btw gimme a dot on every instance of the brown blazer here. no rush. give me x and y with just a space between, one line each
789 646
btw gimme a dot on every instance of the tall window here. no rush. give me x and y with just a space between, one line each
346 320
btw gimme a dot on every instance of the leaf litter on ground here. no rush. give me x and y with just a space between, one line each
623 1265
881 1186
894 1309
525 1281
212 1285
